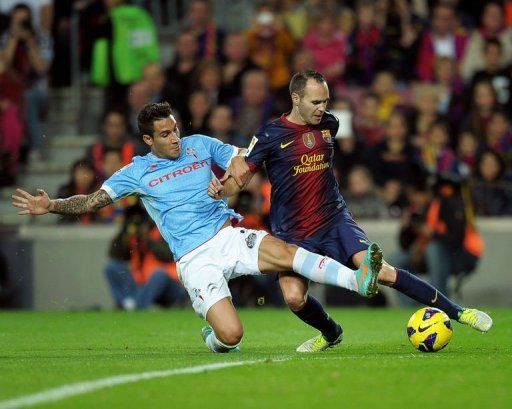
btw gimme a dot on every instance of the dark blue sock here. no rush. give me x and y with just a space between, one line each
424 293
314 314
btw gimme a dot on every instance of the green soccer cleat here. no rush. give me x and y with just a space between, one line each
368 271
476 319
206 331
318 344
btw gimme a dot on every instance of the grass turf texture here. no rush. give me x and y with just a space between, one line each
375 366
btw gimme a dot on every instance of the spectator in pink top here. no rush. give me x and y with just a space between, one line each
329 48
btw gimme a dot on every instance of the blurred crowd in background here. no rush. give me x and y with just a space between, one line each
423 91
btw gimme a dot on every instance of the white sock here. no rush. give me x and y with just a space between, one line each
323 270
217 346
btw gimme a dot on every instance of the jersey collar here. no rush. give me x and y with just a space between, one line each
153 157
293 124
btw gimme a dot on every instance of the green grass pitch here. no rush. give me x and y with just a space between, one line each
374 367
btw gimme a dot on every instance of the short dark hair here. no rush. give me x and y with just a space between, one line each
438 6
150 113
443 124
498 157
22 6
299 80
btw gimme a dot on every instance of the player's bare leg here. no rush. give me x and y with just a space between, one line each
309 310
225 331
276 255
294 289
387 273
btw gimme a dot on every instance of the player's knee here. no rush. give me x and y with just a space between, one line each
294 297
230 335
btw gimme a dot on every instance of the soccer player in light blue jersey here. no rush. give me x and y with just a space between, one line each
172 182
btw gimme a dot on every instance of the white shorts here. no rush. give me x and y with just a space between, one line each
206 270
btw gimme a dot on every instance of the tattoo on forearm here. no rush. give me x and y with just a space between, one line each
81 204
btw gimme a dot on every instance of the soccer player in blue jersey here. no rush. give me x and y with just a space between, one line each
172 182
308 210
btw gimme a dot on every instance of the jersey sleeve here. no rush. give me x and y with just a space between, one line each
122 183
221 153
334 123
258 150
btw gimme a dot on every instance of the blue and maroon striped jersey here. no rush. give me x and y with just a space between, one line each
298 160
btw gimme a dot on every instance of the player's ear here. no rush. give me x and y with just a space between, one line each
148 139
295 98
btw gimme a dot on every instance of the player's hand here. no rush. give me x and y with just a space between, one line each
215 189
238 170
38 205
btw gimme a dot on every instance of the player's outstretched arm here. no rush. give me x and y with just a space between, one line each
42 204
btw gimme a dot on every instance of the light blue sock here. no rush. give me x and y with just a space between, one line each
323 270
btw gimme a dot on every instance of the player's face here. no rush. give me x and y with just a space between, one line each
313 104
165 142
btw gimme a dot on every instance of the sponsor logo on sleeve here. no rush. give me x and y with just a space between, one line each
254 140
124 168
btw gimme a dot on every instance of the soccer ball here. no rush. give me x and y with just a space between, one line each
429 329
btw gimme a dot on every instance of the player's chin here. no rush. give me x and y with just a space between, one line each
175 153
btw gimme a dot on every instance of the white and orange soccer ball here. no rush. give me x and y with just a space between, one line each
429 329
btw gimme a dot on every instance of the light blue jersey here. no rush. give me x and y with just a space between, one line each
175 191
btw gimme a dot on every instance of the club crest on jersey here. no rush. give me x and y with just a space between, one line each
309 139
251 240
192 151
326 134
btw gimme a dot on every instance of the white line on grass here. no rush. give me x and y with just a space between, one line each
73 389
